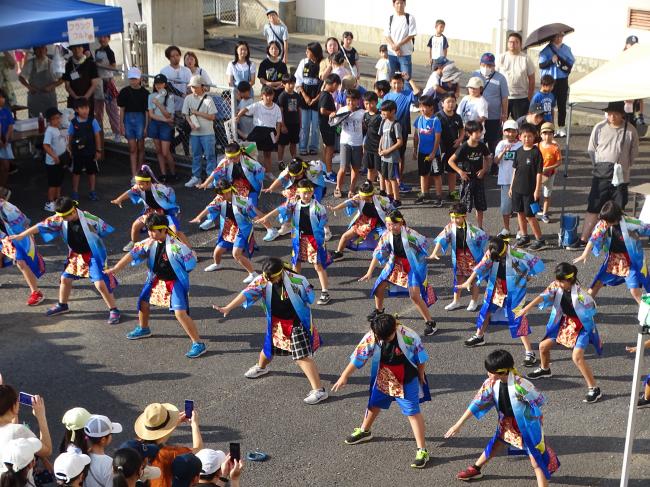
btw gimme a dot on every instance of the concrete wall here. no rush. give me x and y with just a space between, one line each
252 13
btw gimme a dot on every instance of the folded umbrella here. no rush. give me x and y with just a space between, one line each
546 33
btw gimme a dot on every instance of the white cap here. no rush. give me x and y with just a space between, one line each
20 452
134 73
196 80
475 82
69 465
150 473
510 125
211 460
99 426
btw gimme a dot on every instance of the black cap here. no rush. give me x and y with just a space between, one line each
160 78
536 109
50 112
631 40
615 106
184 469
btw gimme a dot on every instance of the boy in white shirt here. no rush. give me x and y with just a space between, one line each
438 44
504 155
55 145
275 30
351 141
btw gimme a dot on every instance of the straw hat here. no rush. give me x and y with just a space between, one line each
157 421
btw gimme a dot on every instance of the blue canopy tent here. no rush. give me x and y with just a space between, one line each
26 23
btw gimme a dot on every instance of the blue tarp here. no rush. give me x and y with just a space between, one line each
27 23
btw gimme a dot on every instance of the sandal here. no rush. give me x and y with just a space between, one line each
337 193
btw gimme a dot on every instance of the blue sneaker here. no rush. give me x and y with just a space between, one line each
138 333
74 195
405 188
330 178
57 309
197 350
92 196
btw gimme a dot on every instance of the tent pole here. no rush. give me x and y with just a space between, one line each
566 159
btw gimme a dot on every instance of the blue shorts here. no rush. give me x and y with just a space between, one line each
95 273
160 131
6 153
134 125
409 404
634 280
581 342
178 299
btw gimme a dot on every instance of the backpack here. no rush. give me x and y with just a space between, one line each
408 23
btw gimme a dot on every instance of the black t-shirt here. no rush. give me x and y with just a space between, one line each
370 125
618 243
77 240
230 214
369 210
392 355
281 306
80 76
325 101
461 237
398 246
289 103
305 221
110 55
238 172
272 71
151 201
567 305
504 405
133 100
161 265
501 271
451 127
352 54
312 84
470 159
527 164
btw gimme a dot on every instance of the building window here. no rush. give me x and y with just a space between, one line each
638 19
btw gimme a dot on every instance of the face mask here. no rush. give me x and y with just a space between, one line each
485 71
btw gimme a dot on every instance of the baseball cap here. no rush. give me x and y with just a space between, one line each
615 106
184 469
20 452
196 80
450 73
271 11
510 125
134 73
631 40
441 61
160 78
69 465
50 112
75 418
536 109
146 450
99 426
547 127
211 460
475 82
487 58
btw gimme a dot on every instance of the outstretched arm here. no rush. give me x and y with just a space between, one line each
123 262
121 199
529 306
200 216
459 424
238 301
25 233
347 372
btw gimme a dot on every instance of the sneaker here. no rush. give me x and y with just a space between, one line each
271 235
454 196
561 133
504 232
405 188
643 402
74 196
139 332
453 305
256 371
437 202
577 245
544 218
358 436
470 473
397 203
430 328
49 206
336 255
420 199
330 178
196 350
523 241
538 373
303 153
315 396
285 228
537 245
193 181
250 278
92 196
529 360
475 341
128 247
324 298
421 458
313 152
472 306
57 309
328 234
114 317
207 225
593 394
375 312
212 267
35 298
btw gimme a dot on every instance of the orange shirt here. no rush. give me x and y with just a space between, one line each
164 461
552 155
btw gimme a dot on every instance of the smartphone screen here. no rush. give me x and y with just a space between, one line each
235 453
189 407
26 399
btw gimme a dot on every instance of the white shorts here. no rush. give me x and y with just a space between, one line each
547 186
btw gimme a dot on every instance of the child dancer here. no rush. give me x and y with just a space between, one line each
519 405
21 252
368 211
506 271
468 244
617 235
156 198
397 374
169 261
235 214
83 233
289 326
402 251
571 324
308 219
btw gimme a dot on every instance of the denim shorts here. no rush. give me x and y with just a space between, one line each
6 153
160 131
506 201
134 125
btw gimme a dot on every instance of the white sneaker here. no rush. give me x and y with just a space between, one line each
207 225
473 306
49 206
212 267
251 277
504 232
285 228
453 305
271 235
328 234
128 247
315 396
192 182
256 371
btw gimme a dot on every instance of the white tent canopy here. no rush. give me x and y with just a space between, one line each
623 78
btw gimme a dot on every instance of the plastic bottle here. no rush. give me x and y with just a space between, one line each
41 123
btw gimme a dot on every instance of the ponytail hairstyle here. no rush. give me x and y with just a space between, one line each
76 439
367 188
65 204
146 172
611 212
12 478
383 326
566 272
272 266
127 462
8 398
497 248
296 166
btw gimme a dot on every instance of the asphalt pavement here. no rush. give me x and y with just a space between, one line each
78 360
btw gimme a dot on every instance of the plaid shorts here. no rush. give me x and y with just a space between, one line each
300 344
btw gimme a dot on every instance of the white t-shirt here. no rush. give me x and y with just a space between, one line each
471 108
382 68
58 141
169 105
178 78
101 471
264 116
351 129
432 83
192 102
245 123
242 72
398 30
281 34
505 165
10 432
